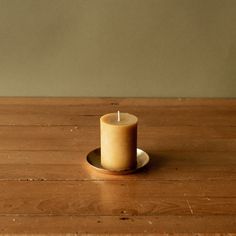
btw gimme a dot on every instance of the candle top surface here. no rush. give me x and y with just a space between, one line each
125 119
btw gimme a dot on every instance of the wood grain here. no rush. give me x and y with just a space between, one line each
82 115
46 186
118 225
71 165
117 198
151 138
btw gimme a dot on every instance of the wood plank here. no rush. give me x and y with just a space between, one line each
106 190
157 138
117 198
169 158
71 165
79 172
118 225
89 115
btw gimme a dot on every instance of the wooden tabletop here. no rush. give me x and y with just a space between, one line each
46 186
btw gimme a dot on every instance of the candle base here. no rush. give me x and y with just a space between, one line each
126 169
94 160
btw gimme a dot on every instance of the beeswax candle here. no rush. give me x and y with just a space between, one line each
118 141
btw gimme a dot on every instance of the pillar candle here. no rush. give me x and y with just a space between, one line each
118 141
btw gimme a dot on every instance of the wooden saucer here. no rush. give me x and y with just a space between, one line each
94 160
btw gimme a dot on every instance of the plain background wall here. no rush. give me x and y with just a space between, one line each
161 48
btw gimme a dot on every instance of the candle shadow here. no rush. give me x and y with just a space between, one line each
156 162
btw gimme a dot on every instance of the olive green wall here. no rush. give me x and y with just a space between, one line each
162 48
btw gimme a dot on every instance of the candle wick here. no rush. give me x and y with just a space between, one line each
118 116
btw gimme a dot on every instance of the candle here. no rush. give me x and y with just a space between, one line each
118 141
